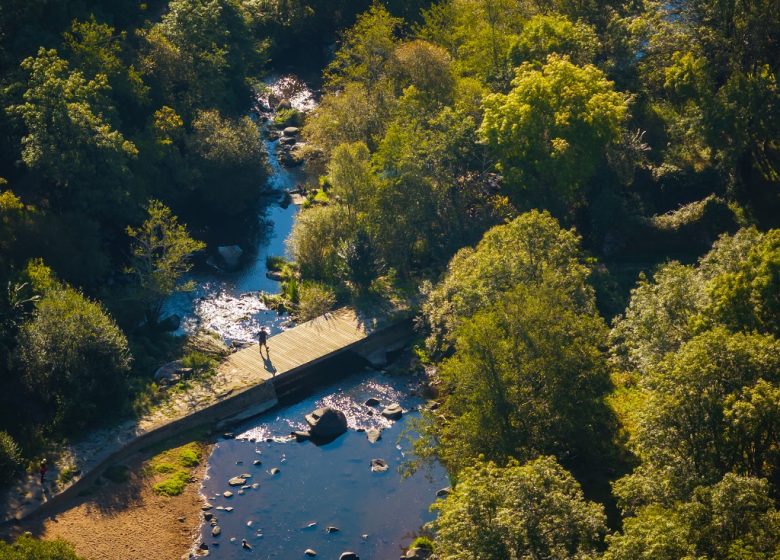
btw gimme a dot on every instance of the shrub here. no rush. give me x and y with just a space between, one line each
422 542
314 300
275 263
10 458
27 547
288 117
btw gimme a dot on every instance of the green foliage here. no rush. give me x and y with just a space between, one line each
527 377
731 286
314 300
422 542
275 263
175 464
172 485
734 518
74 357
231 166
161 255
550 132
10 458
533 510
288 117
360 261
70 138
365 50
544 35
28 548
315 239
710 408
532 250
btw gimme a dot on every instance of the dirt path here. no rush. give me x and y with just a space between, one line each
128 520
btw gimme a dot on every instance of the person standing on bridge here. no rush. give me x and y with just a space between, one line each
262 338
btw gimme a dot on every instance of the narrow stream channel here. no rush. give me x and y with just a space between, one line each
377 513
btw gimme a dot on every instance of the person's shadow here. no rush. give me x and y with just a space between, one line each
267 364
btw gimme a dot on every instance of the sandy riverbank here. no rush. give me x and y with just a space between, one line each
128 520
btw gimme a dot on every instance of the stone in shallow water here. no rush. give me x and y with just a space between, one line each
332 529
227 494
444 492
393 411
216 531
310 552
373 435
379 465
236 481
349 556
372 401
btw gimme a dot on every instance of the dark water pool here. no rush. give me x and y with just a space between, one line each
378 514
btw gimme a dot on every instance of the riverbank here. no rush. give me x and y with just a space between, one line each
123 518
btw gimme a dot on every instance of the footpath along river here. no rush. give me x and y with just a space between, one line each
282 515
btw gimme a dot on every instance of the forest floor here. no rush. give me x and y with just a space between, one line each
126 519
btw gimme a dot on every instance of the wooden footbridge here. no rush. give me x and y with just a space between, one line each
304 345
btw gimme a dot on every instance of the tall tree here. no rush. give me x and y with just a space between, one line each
161 251
517 512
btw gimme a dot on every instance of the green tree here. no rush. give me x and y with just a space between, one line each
544 35
517 512
315 240
551 131
352 179
70 139
732 519
161 251
229 164
28 548
532 250
527 377
710 408
74 358
366 48
10 458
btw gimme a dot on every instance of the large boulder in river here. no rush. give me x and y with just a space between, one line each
393 411
326 424
291 131
349 556
231 254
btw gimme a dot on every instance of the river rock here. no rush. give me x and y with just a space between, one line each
170 323
417 554
229 509
288 140
379 465
208 515
274 275
205 507
373 435
274 471
231 254
349 556
203 546
227 494
283 104
237 481
326 424
332 529
257 462
291 131
310 552
393 411
245 544
216 531
372 401
444 492
301 435
168 373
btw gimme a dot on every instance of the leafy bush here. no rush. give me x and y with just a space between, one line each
27 547
199 362
422 542
288 117
10 458
314 300
275 263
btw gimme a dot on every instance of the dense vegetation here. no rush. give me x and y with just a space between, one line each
578 196
521 165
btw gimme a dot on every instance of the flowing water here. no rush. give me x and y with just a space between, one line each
377 513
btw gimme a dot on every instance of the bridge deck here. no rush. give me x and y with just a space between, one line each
304 344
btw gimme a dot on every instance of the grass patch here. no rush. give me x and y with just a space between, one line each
175 465
275 263
174 484
66 475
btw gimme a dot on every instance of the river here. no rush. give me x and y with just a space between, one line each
377 513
